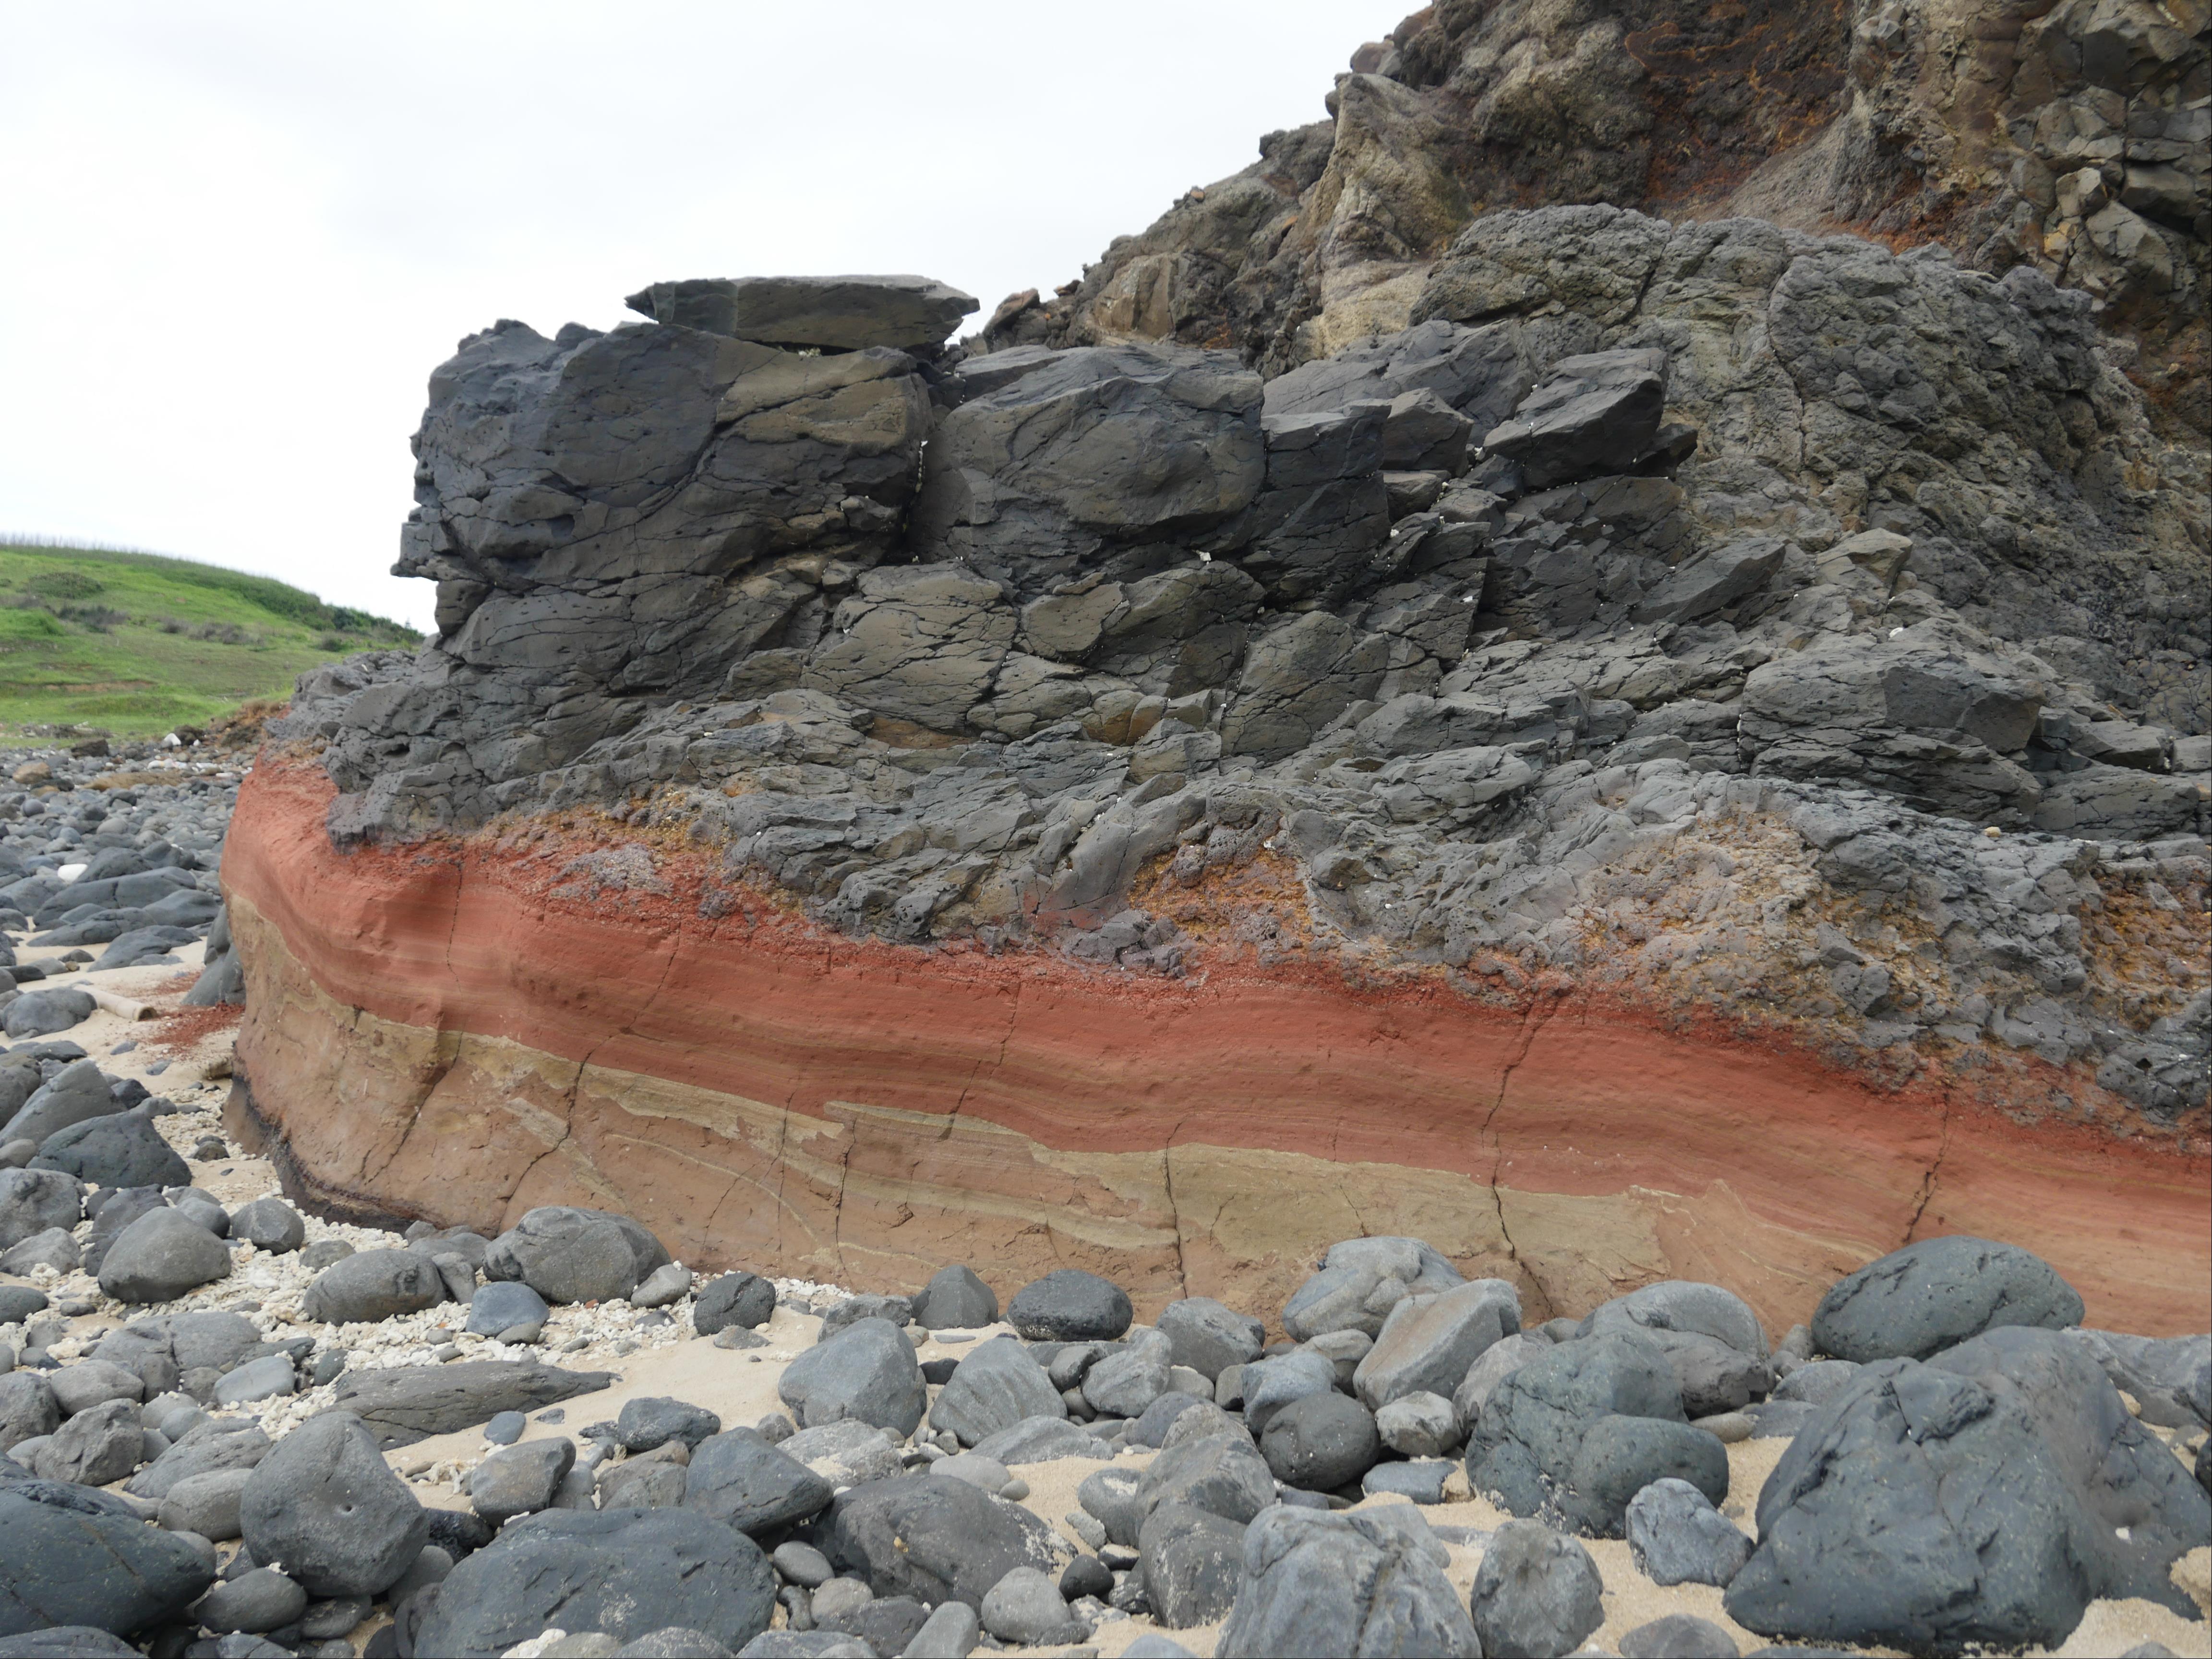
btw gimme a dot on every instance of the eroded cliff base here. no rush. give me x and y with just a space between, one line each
574 1011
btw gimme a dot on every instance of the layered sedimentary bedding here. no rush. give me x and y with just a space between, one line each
488 1027
1684 753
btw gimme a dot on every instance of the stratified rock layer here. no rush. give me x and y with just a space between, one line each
462 1028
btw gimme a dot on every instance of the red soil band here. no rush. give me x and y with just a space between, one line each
1575 1098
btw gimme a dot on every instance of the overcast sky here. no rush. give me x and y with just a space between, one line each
235 238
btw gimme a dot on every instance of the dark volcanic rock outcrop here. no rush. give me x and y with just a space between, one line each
1702 673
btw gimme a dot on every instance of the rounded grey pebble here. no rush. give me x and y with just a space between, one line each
506 1428
326 1619
262 1600
801 1564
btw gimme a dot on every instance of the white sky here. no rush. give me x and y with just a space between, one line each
235 238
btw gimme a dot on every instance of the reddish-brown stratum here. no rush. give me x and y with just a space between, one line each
454 1030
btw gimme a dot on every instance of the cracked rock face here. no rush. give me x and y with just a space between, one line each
1704 674
2068 141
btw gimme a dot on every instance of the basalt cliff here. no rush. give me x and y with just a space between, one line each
1632 704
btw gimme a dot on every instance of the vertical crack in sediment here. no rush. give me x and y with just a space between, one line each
419 1098
1934 1172
454 927
1539 1015
1174 1211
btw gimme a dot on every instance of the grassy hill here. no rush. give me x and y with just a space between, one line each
134 644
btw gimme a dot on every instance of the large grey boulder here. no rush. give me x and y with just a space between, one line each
1224 1475
402 1404
740 1479
1498 1361
654 1420
865 1372
1715 580
1360 1280
41 1013
99 1444
205 1504
1590 415
996 1386
1315 1584
161 1256
1419 1425
1191 1562
623 1572
80 1091
1209 1337
1024 1608
1070 1305
741 1299
215 1338
260 1599
1042 1440
846 1452
520 1480
1619 1456
218 1446
844 313
570 1254
1321 1443
32 1201
72 1556
1715 1341
370 1285
1536 1592
1269 1385
2120 803
122 1149
117 1212
1429 1340
268 1224
1916 1301
1128 1377
1677 1537
954 1299
931 1537
1986 1496
502 1305
1058 458
2170 1377
54 1248
29 1408
89 1381
1523 1447
323 1502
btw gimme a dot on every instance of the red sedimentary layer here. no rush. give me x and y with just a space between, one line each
1748 1162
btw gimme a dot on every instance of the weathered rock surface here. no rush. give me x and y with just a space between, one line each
1317 1583
2024 1489
1388 692
1927 1296
2069 142
404 1404
623 1572
932 1538
70 1556
323 1502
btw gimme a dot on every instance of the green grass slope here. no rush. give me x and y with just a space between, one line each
134 644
